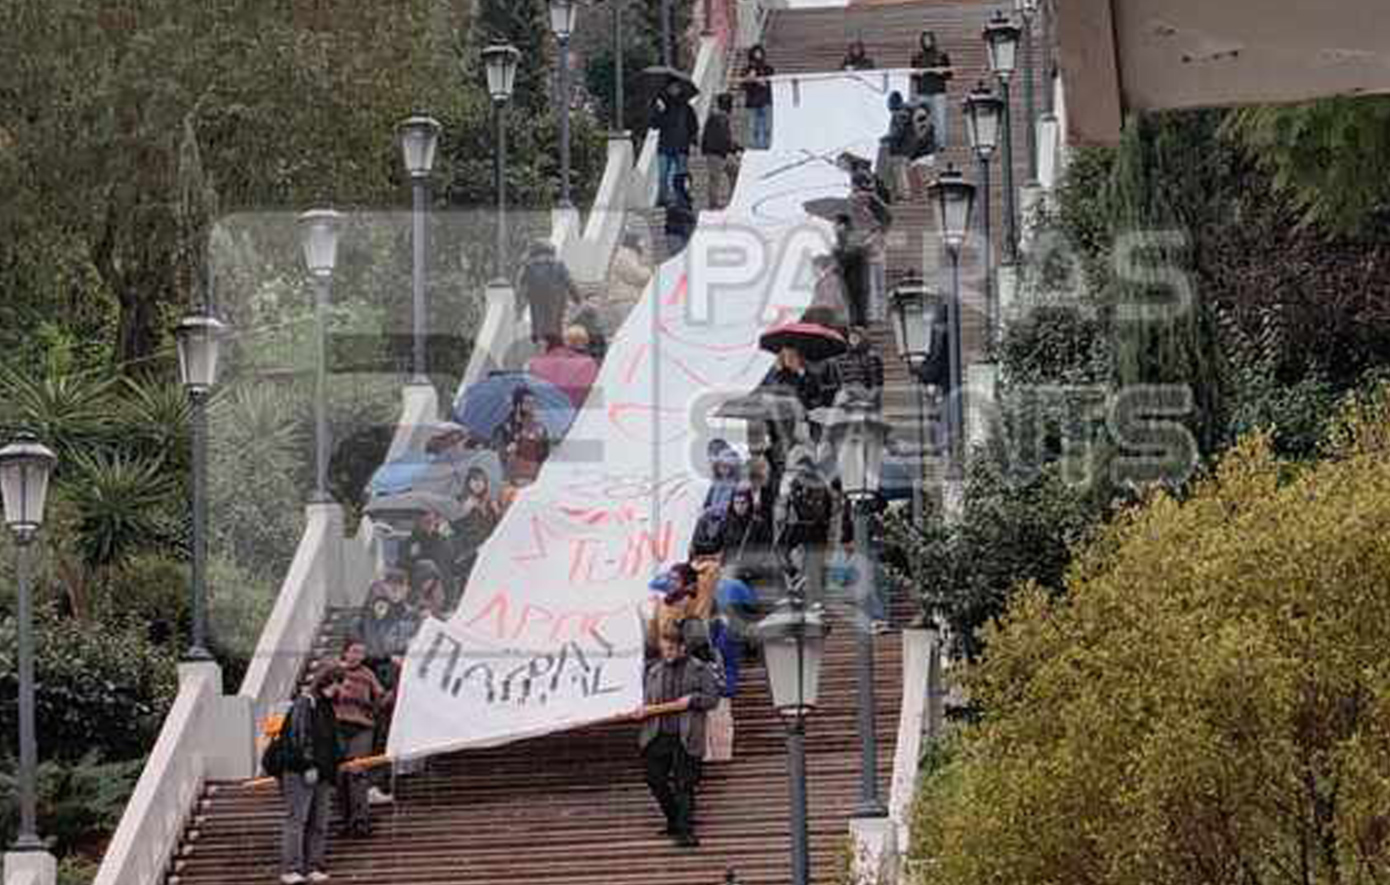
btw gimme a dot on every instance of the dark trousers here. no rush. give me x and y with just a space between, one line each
304 837
352 785
672 774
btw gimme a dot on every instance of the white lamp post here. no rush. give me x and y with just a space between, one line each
419 142
25 466
319 229
199 342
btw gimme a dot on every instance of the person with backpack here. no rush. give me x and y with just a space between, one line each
305 757
545 286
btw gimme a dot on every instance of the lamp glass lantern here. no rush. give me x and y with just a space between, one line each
200 342
25 466
1002 37
983 112
419 140
955 200
858 435
501 63
911 329
1026 8
562 16
319 229
794 648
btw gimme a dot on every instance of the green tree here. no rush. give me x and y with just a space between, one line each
1209 700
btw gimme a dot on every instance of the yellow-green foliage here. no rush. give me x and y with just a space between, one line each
1210 702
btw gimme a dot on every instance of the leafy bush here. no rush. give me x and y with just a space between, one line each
102 689
79 802
1210 701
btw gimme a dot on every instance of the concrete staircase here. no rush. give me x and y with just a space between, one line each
573 808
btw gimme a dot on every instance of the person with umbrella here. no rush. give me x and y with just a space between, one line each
757 95
544 285
678 130
522 441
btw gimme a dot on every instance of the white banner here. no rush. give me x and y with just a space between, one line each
549 634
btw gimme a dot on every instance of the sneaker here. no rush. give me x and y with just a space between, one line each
375 796
318 876
292 879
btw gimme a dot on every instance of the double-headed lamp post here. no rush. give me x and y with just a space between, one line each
500 62
319 230
954 198
858 434
983 112
419 142
562 17
200 341
1001 39
793 648
25 466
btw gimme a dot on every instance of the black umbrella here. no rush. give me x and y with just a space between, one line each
828 208
658 77
816 342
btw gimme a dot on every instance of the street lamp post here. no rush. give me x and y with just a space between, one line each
1001 39
983 111
25 466
199 344
619 109
911 307
857 434
419 140
1027 11
793 646
319 237
501 62
562 15
954 198
667 56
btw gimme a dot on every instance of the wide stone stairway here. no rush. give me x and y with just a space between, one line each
573 808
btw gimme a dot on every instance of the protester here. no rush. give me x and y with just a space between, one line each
673 742
735 628
566 365
721 151
678 586
432 538
859 371
929 83
856 59
896 146
860 247
829 291
629 274
590 321
805 509
522 440
357 704
386 624
481 514
757 96
428 590
678 130
725 469
544 285
680 215
310 769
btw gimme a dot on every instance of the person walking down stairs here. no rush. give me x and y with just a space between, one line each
358 702
757 96
311 760
679 691
721 151
678 130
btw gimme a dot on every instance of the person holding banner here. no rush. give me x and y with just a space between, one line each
679 692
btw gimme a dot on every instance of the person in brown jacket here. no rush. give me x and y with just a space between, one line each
679 691
357 703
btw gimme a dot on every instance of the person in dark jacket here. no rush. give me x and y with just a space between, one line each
721 151
680 215
673 743
859 371
386 624
757 96
678 130
311 767
545 286
929 83
856 59
522 441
